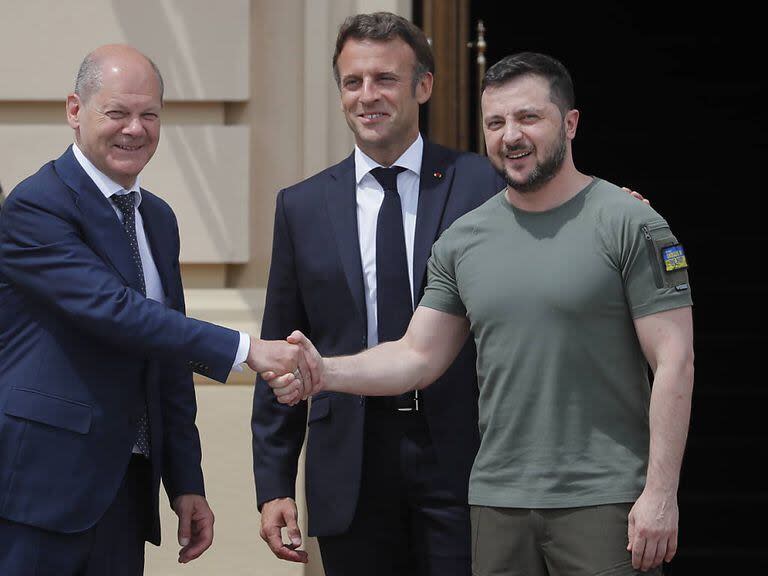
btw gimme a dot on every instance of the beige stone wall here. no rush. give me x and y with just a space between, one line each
251 107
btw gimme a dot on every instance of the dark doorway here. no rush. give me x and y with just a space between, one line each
673 105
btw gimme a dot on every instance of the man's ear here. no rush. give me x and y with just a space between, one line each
424 87
571 122
74 105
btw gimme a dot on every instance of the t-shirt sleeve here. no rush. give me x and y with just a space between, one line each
442 291
654 266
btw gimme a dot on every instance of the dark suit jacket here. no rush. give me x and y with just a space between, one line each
80 349
316 286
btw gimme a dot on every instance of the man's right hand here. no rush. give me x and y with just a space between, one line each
275 515
287 387
278 357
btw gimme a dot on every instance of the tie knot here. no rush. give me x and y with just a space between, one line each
387 177
124 202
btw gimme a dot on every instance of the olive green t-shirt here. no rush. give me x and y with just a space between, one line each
551 297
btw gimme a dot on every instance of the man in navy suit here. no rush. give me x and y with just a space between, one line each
96 395
386 480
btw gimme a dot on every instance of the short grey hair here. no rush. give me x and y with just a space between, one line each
88 80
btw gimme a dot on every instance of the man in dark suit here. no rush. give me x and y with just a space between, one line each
96 395
386 479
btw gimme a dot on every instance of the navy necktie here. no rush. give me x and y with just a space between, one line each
126 204
394 306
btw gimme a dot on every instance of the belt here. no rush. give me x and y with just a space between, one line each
409 402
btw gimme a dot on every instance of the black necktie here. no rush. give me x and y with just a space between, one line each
126 204
394 305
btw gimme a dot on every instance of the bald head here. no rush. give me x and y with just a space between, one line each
115 111
110 59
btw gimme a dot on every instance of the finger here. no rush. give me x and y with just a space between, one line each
630 530
271 535
292 528
638 547
297 337
282 382
291 555
648 555
184 532
305 372
297 396
267 376
661 551
291 393
671 547
202 539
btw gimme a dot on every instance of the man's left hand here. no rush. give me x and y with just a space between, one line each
195 525
652 530
636 195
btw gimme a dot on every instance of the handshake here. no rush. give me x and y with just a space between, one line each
293 368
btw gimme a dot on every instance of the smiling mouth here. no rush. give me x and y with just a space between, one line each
518 155
374 116
127 148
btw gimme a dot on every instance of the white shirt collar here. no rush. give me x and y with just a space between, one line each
104 183
410 160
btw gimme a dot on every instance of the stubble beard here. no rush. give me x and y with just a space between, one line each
542 172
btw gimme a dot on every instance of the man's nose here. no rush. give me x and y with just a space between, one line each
370 92
133 126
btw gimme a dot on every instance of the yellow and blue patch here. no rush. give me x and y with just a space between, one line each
674 258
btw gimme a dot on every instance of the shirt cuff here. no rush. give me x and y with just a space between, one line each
242 352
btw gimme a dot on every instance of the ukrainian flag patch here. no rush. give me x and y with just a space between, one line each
674 258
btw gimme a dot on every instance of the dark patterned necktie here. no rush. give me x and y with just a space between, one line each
126 204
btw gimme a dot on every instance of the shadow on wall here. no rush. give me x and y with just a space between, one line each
167 35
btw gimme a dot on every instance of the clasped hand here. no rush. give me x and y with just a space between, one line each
297 373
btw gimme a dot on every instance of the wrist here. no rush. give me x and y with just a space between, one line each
328 371
255 354
666 489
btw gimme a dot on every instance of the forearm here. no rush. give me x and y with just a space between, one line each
415 361
669 417
386 370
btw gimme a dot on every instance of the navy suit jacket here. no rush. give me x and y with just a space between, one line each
81 349
316 286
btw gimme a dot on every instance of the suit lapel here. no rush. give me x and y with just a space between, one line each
434 186
340 193
160 242
99 218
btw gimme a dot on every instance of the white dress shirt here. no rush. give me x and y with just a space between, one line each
152 283
370 196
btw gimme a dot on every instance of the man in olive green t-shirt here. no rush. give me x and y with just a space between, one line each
570 289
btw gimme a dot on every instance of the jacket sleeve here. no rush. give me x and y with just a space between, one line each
182 455
43 254
278 430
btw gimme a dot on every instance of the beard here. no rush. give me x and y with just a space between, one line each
543 172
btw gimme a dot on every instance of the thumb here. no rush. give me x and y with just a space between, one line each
292 529
185 524
630 530
296 337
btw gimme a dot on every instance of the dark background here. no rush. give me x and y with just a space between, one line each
673 104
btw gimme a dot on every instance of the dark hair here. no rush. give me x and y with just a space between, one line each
535 64
382 27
